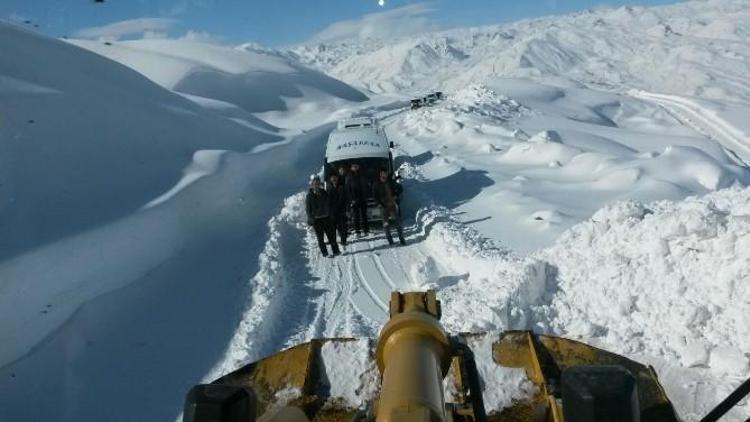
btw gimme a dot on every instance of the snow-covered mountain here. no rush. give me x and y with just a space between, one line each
152 231
696 48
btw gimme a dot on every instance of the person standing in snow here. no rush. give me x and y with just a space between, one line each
357 190
342 175
318 210
337 199
386 192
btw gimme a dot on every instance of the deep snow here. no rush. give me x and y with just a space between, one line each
130 218
250 86
124 263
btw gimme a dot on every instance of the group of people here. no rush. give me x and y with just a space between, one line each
327 208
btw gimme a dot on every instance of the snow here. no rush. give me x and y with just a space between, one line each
658 277
204 163
585 177
341 361
124 209
665 279
70 185
235 82
627 47
501 386
551 156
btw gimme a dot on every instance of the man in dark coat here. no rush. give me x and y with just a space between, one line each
342 175
386 192
318 209
357 191
337 200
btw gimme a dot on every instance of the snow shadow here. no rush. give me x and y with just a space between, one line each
150 341
263 91
177 323
454 190
416 160
449 280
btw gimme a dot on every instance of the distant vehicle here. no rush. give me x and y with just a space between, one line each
428 100
363 141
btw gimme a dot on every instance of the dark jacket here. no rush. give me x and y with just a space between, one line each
380 192
342 179
357 188
337 199
317 206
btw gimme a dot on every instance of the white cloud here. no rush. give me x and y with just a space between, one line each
116 30
406 20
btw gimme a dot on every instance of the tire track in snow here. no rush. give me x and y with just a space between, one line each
378 261
368 286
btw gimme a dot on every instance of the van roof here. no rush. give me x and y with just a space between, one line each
361 142
356 122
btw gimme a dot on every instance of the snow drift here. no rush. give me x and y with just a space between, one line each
545 157
233 82
90 141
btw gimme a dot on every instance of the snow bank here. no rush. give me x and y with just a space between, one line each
472 264
667 278
255 336
666 283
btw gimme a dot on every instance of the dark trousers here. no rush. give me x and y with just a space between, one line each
394 220
359 215
325 226
341 227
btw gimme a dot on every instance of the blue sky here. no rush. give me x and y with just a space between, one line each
275 22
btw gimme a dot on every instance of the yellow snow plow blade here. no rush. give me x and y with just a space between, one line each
545 358
414 355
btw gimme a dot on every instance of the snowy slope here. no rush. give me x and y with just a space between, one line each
81 144
129 218
80 149
238 82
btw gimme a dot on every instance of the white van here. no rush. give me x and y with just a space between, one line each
363 141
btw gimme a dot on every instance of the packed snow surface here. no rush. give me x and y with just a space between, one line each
585 177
